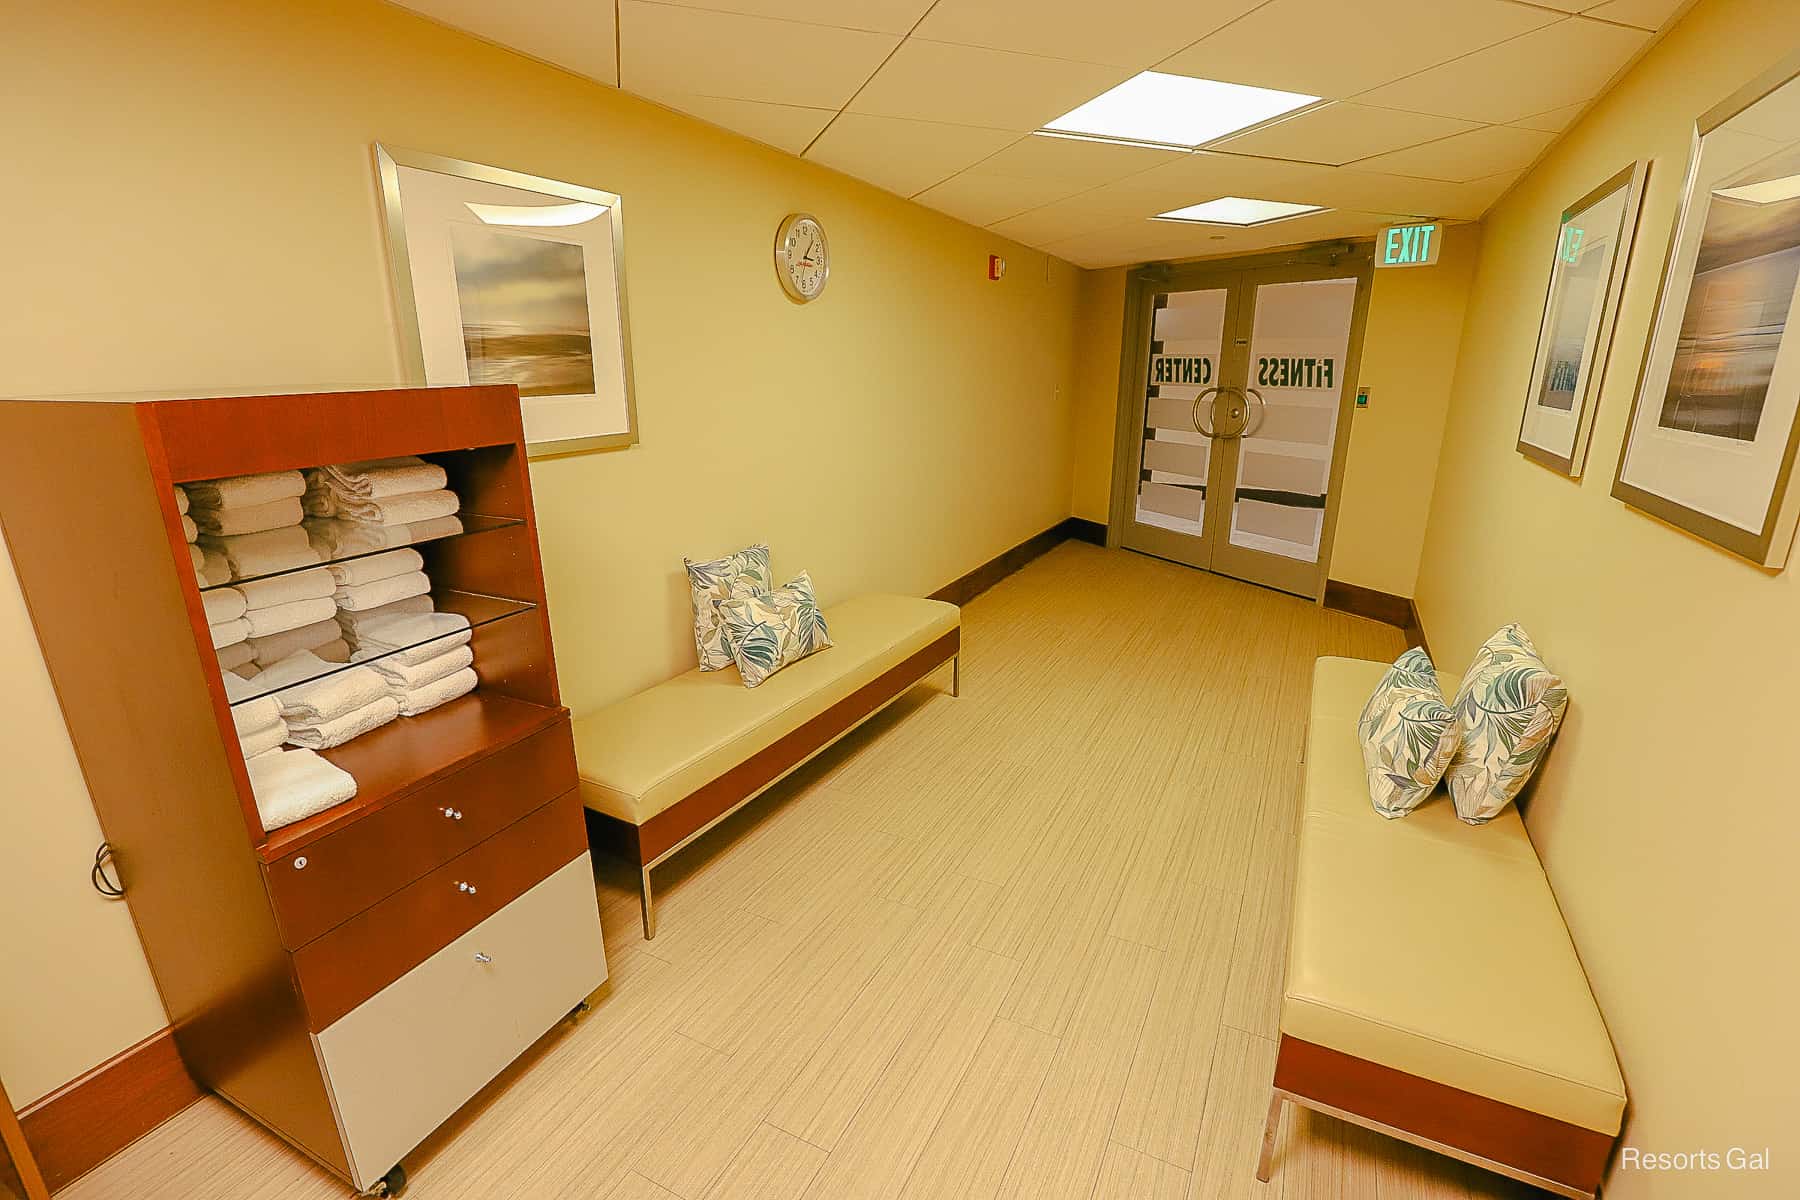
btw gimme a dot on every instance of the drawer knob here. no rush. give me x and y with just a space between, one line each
482 958
452 813
463 886
300 863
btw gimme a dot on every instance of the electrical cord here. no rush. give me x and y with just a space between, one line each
104 883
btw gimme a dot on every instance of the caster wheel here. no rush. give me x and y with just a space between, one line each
579 1011
392 1184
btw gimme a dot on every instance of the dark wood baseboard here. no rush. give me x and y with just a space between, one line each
1570 1155
88 1120
1389 609
965 589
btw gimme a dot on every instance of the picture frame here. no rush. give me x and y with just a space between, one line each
1594 239
1714 427
504 277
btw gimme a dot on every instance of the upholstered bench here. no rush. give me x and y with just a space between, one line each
1432 991
660 768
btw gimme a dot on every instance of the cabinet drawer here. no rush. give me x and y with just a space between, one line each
410 1056
341 875
339 971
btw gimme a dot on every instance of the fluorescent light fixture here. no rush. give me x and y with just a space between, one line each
1237 210
1155 109
1111 141
1769 191
574 213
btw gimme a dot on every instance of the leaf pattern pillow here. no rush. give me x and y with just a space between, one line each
1507 710
745 573
1408 733
775 630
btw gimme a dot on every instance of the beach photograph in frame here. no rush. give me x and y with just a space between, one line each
1581 308
1711 440
501 277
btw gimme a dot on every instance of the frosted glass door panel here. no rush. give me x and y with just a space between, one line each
1186 337
1299 347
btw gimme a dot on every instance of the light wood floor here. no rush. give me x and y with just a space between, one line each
1023 944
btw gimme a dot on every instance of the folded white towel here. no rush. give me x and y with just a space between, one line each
387 510
363 596
424 699
272 649
285 589
377 567
230 633
377 478
264 553
353 620
414 638
182 502
189 530
296 784
236 655
222 605
266 621
212 569
292 670
344 539
258 518
325 700
261 741
435 527
404 677
197 557
252 716
351 725
246 491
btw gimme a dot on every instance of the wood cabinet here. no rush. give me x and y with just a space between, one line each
349 980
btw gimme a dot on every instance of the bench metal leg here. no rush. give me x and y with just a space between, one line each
1271 1129
649 904
956 675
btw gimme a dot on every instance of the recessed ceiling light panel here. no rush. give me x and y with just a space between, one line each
1238 210
1156 109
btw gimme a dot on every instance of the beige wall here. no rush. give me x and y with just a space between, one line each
192 206
1409 357
1665 813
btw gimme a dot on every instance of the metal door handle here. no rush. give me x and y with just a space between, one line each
1198 400
1236 414
1262 411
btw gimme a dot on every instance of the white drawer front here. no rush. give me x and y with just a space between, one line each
412 1054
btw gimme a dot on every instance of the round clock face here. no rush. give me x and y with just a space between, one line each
802 257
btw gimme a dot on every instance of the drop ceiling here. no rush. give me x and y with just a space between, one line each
1427 110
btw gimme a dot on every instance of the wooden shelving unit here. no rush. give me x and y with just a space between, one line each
351 979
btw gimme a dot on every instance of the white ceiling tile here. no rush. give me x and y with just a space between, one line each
1127 33
576 35
986 199
1479 196
903 156
1069 160
784 126
1557 65
669 51
966 85
881 16
1463 157
1329 48
1554 121
1343 132
1645 14
1056 222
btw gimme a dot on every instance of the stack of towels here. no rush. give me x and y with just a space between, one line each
423 658
328 705
251 523
209 566
363 585
386 493
289 785
260 728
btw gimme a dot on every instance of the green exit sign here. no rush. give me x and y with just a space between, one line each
1409 245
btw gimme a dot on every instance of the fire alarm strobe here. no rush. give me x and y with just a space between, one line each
996 266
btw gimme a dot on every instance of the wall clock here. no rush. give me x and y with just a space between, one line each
802 257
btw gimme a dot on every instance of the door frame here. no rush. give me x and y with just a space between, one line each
1141 283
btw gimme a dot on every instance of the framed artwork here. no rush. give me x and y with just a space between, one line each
507 278
1587 275
1711 441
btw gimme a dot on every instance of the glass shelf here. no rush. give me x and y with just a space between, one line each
478 608
336 541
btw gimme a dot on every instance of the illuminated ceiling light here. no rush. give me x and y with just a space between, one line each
1769 191
1237 210
1155 109
536 214
1111 141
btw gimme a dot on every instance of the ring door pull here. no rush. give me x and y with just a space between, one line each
1231 420
1257 414
1198 401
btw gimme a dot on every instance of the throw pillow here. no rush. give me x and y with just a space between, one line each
745 573
1408 735
1507 710
774 630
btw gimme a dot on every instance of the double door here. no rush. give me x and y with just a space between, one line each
1237 386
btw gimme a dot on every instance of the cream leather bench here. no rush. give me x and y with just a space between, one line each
662 767
1432 991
